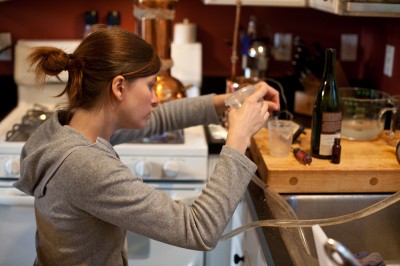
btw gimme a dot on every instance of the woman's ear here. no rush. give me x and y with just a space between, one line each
117 87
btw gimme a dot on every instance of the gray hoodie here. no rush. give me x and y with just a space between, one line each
86 198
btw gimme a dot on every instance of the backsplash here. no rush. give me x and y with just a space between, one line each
47 19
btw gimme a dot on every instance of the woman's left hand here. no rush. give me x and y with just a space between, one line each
271 97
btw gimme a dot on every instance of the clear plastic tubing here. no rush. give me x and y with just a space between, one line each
309 223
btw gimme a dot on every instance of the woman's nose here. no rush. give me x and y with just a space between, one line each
154 99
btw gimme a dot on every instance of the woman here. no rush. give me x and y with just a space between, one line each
85 197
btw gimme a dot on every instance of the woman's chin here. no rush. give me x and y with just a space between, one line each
144 124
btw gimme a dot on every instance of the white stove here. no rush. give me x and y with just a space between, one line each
185 160
29 97
180 169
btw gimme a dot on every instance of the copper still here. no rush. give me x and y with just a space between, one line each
153 22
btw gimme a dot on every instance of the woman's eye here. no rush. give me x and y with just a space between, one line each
152 83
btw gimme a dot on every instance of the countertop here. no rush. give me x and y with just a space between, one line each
365 167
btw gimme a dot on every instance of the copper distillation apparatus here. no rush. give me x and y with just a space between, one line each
256 64
235 82
153 22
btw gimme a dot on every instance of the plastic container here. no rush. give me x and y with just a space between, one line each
236 99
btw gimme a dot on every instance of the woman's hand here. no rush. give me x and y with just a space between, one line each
251 116
271 96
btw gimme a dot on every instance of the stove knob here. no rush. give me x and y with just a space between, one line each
12 167
143 168
171 168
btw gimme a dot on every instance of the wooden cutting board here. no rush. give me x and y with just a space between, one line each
366 166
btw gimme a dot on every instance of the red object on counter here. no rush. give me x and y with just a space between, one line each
302 156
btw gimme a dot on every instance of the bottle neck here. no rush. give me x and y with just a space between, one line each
252 28
329 66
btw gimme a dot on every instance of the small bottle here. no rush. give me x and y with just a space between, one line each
252 28
327 111
113 19
91 18
256 56
247 39
336 151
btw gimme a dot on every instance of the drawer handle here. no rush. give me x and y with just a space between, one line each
237 259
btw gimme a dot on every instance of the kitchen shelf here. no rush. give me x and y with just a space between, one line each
281 3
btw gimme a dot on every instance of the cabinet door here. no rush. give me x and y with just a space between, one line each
325 5
253 255
292 3
252 251
238 220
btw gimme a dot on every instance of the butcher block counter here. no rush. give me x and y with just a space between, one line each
365 166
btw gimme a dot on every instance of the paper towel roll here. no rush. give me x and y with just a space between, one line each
185 32
187 67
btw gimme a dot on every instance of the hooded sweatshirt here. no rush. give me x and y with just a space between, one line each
86 198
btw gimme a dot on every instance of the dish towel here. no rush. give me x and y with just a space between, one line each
369 259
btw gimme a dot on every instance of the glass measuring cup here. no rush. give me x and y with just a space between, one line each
363 112
393 135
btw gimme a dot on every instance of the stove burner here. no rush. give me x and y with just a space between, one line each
171 137
29 123
35 117
38 114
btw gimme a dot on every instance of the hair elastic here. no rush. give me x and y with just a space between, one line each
66 65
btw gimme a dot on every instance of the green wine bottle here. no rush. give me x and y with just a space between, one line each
327 111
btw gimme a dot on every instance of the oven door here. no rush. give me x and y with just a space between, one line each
18 228
143 251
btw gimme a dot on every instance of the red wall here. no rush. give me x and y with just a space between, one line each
47 19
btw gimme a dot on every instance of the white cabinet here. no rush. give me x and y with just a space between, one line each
243 249
226 251
281 3
238 219
252 250
246 249
324 5
384 8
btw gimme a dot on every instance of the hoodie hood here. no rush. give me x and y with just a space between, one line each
44 152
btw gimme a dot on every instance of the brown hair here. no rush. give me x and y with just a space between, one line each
101 56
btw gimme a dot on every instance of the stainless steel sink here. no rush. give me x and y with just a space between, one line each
379 232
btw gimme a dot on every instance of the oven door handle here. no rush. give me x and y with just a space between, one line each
14 197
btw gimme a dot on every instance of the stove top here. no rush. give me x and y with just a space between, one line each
179 155
38 114
171 137
30 121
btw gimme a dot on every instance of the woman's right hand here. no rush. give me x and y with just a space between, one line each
248 119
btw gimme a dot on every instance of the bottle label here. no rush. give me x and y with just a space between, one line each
331 126
326 144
